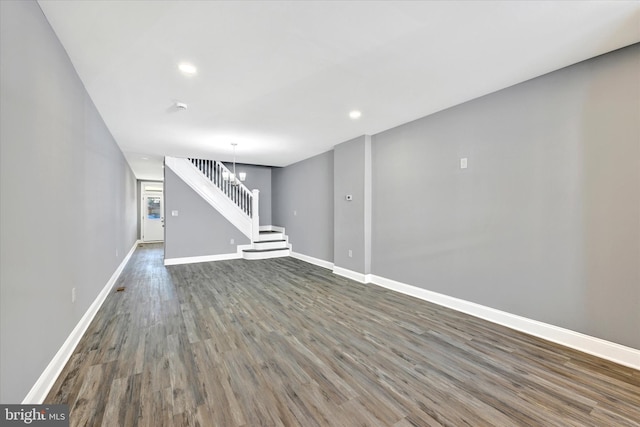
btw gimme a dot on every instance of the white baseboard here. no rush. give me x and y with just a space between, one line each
608 350
354 275
203 258
617 353
43 385
311 260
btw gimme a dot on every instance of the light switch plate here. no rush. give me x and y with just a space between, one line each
463 163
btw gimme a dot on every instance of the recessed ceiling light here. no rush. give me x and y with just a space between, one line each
187 68
355 114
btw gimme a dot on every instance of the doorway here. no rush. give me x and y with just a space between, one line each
152 212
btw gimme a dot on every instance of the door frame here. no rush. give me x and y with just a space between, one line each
150 188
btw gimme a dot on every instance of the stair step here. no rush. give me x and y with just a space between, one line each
265 253
270 235
262 250
271 228
270 244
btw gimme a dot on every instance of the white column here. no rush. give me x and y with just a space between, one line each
255 220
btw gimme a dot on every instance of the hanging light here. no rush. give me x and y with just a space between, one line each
232 177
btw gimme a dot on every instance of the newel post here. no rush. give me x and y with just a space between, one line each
255 217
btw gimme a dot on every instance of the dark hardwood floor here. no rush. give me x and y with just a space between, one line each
284 343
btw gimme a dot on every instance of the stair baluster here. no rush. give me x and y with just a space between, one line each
239 194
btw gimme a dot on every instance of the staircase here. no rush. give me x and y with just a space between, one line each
235 202
271 243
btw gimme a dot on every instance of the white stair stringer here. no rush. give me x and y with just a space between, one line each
212 194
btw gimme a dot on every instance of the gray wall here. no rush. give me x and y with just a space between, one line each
306 187
350 231
545 222
199 229
258 178
67 198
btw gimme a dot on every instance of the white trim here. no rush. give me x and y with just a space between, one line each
275 235
276 244
203 258
368 204
617 353
271 228
608 350
311 260
354 275
144 194
43 385
255 219
243 247
266 254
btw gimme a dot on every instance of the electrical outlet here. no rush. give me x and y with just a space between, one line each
463 163
73 295
350 253
295 213
232 241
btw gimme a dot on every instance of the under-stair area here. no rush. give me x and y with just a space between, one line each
234 201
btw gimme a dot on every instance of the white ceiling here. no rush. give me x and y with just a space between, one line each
279 78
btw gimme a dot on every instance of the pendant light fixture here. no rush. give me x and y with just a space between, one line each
232 177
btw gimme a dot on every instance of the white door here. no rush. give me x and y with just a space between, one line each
152 218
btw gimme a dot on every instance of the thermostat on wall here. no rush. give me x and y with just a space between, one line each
348 197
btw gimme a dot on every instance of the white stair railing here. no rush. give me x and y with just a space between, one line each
234 201
237 192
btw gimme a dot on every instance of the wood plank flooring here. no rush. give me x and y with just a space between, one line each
281 342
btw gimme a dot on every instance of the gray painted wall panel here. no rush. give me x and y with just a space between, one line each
349 179
307 188
67 198
199 229
545 222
